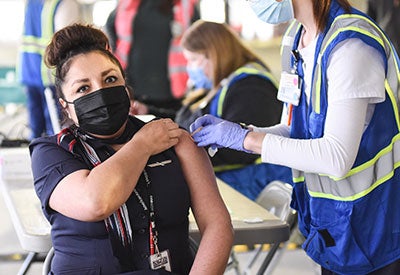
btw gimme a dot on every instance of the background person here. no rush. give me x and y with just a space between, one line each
387 14
116 190
42 19
145 37
342 141
231 82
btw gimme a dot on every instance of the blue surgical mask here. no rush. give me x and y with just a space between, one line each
271 11
199 78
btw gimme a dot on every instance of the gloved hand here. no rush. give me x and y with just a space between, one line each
217 133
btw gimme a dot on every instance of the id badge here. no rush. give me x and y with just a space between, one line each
289 88
160 260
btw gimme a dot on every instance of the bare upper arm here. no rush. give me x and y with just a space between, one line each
207 204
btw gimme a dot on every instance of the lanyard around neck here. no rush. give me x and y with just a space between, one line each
152 228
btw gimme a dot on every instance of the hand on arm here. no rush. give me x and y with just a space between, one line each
208 208
92 195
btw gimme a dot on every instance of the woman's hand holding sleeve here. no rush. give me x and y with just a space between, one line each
92 195
158 135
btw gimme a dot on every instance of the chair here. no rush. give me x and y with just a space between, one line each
47 262
276 198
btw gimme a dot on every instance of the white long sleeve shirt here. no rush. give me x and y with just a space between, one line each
356 76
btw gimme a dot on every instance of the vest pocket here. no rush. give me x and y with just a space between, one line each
334 247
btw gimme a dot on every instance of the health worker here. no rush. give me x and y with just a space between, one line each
340 85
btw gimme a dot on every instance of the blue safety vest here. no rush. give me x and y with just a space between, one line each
249 179
251 68
37 35
352 223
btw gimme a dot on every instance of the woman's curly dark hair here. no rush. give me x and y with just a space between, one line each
67 43
73 40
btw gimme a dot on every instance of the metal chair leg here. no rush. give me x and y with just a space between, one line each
253 259
233 263
30 258
268 259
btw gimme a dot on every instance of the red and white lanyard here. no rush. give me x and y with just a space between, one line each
152 227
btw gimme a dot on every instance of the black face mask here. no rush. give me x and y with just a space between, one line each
103 112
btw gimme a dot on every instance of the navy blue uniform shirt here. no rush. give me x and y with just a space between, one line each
85 247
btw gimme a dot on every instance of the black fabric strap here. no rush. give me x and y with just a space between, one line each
329 241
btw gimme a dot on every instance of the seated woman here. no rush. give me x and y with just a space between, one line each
231 82
115 190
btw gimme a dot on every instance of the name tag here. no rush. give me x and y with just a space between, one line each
289 88
160 260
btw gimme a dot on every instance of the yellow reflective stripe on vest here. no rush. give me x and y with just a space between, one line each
37 45
374 33
34 44
222 168
298 179
357 183
250 68
363 179
288 36
287 45
48 13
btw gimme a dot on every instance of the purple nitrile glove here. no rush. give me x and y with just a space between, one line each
217 133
